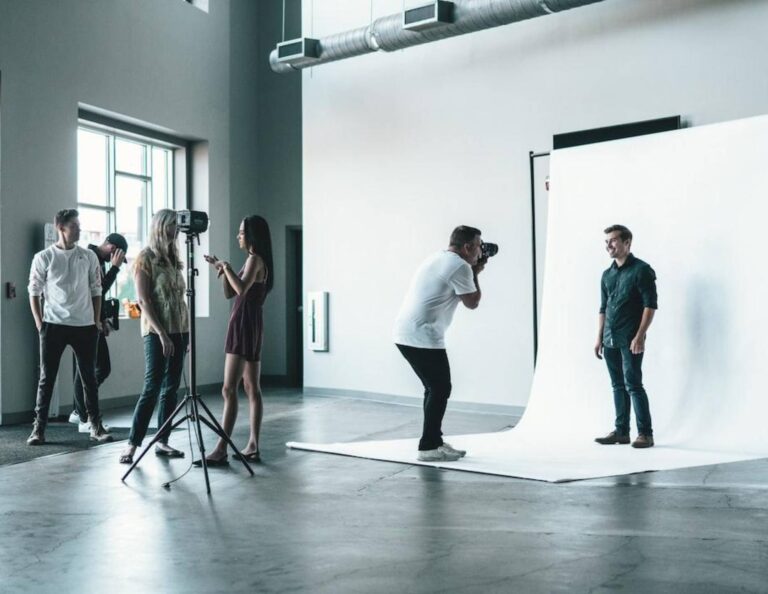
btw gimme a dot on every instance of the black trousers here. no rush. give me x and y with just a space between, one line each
54 338
434 371
103 369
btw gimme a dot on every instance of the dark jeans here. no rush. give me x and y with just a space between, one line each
431 365
161 378
103 369
626 374
54 338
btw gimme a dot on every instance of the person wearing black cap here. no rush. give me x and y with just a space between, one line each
113 251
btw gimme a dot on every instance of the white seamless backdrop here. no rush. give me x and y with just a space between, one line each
695 201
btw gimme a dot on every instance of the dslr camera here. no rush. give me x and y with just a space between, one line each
110 312
191 222
488 250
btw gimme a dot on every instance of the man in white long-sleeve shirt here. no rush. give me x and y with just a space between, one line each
68 279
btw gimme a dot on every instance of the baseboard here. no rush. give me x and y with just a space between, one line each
17 418
26 416
454 405
276 381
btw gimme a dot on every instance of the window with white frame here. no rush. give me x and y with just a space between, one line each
122 180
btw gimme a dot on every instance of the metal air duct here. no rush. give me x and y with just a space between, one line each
387 33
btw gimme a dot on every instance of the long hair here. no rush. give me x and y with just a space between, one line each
258 241
162 242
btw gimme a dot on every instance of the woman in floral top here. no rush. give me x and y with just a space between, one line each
165 328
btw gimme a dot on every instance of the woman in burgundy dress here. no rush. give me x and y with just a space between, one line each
245 332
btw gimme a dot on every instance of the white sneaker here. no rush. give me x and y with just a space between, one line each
74 418
449 448
438 455
86 427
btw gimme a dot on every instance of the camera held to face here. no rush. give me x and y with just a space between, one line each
488 250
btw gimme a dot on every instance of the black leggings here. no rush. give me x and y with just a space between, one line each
431 365
103 369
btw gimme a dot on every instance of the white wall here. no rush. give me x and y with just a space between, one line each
399 148
164 62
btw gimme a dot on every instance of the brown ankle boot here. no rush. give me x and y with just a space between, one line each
612 438
643 441
97 432
37 437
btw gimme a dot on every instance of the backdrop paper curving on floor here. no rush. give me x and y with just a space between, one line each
695 201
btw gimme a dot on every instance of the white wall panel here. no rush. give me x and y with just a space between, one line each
401 147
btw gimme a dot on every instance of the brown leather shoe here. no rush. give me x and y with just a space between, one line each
612 438
643 441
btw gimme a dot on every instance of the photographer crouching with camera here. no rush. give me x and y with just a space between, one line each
442 281
113 251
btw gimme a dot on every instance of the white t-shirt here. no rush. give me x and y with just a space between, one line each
68 280
429 305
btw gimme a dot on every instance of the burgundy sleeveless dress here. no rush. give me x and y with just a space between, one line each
245 332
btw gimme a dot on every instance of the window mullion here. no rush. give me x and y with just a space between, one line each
169 167
149 169
112 185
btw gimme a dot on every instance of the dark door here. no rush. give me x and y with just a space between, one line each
294 314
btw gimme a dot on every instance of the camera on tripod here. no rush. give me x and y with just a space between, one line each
488 250
191 222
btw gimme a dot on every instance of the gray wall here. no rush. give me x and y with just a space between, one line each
164 62
278 167
400 147
266 167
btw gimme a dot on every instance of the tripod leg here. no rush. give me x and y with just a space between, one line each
168 426
199 431
213 424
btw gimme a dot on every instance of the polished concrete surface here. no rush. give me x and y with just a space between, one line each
319 523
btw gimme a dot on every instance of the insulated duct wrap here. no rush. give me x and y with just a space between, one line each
387 33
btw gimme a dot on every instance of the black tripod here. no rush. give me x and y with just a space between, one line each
192 397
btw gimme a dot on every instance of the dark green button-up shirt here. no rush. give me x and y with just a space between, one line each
625 291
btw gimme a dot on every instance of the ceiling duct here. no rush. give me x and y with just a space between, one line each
387 33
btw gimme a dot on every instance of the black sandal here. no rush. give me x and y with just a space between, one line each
211 463
250 457
169 453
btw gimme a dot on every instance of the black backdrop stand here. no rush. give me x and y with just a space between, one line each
192 397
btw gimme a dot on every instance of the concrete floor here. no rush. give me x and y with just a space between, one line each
319 523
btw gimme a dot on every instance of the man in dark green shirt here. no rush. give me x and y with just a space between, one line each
628 304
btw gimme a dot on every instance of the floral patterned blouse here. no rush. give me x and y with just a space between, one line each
168 291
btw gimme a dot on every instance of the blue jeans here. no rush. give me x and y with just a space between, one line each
626 374
161 379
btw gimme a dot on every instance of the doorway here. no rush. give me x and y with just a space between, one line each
294 315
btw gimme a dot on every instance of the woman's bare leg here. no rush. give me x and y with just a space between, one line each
252 386
233 371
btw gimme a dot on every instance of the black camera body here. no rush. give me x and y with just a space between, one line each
110 312
488 250
191 222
